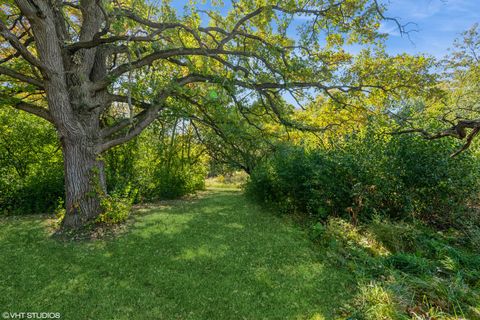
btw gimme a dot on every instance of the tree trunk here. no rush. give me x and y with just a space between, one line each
74 105
84 183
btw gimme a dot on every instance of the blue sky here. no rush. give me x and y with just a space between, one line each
438 23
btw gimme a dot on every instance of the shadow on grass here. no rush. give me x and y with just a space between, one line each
216 257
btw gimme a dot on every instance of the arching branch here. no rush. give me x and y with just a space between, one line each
458 131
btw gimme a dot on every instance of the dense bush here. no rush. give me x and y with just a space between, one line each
173 184
396 176
294 179
165 162
31 171
36 193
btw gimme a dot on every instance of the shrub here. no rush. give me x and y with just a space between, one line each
116 209
31 172
38 192
401 177
296 180
169 185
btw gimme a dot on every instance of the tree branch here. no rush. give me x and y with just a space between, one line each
16 75
141 121
28 107
457 131
17 45
34 109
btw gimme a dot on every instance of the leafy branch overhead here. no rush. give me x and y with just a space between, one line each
250 52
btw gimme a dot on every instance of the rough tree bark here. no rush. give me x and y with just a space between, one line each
72 103
83 184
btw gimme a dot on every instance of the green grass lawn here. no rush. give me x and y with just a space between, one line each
219 256
214 257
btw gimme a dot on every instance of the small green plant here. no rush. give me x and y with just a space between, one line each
375 302
116 209
59 211
317 230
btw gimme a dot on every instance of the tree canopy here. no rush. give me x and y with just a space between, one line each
102 71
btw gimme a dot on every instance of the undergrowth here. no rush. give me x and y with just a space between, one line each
403 270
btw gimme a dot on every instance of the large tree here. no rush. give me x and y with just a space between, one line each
101 71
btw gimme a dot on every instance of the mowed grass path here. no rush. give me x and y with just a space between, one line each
215 257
